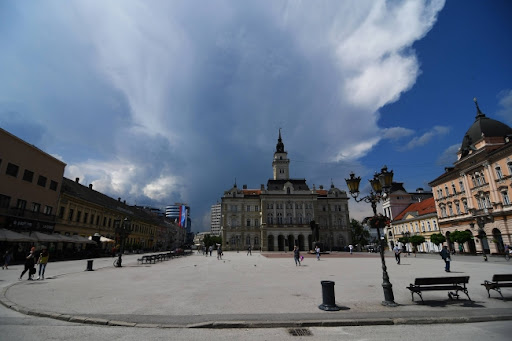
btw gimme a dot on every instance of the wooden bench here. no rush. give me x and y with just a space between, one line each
498 282
440 284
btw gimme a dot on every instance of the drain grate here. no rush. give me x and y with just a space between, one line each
299 332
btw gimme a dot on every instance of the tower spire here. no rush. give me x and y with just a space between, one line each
280 144
479 113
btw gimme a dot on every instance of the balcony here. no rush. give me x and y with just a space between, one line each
26 214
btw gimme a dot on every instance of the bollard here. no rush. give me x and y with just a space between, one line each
328 303
89 265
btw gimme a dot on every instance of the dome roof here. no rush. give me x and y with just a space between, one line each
482 127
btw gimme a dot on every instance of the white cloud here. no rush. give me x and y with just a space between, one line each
160 188
396 133
449 156
426 137
505 101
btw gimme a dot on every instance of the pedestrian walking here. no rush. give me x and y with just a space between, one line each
507 252
317 250
350 247
249 251
6 260
219 252
211 249
397 252
296 255
445 255
29 264
42 261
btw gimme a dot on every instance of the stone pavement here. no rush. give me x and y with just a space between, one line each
253 291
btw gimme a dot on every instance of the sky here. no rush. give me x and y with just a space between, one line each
160 102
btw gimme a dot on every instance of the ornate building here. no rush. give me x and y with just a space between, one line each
285 213
474 194
396 202
419 218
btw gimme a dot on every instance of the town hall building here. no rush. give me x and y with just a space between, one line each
285 213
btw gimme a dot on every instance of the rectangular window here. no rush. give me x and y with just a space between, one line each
248 208
12 169
48 210
248 222
78 216
61 212
97 220
53 185
109 222
36 207
70 215
92 219
256 222
256 208
104 221
41 181
21 204
86 215
506 199
28 175
5 201
499 175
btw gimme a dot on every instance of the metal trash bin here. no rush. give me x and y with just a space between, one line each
89 265
328 303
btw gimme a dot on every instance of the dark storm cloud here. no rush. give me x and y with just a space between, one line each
167 101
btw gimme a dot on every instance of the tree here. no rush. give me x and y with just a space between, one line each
416 240
438 239
360 235
461 237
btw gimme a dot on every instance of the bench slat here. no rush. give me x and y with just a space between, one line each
501 277
441 280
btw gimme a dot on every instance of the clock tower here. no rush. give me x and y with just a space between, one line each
281 163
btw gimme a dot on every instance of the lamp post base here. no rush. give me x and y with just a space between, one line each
389 304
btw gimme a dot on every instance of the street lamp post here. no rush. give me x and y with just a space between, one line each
481 221
381 185
407 235
123 230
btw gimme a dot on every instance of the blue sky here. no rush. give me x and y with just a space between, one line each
159 102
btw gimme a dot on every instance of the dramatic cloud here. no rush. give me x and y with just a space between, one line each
165 101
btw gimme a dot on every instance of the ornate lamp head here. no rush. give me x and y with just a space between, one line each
353 184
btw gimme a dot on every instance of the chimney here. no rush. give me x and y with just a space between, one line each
90 186
119 199
321 186
77 180
262 187
124 202
244 186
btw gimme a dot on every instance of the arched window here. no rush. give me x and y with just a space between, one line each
288 190
499 174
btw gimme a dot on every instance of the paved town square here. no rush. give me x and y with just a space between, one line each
261 290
